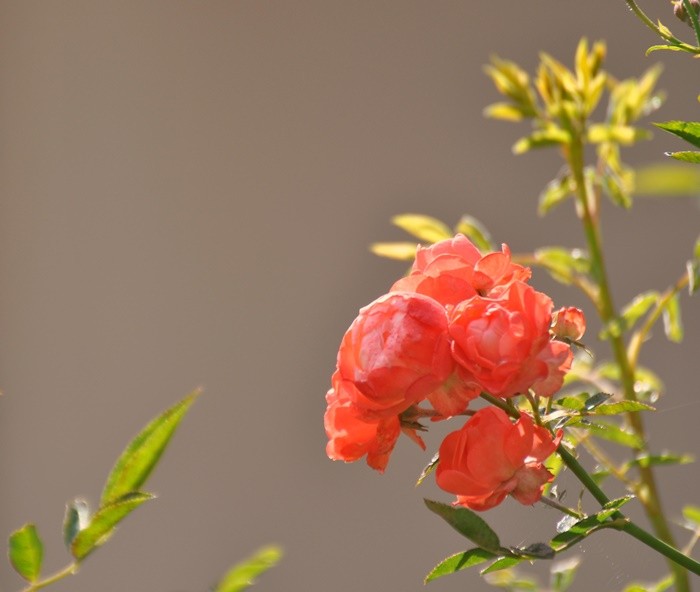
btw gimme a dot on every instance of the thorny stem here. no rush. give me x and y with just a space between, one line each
648 492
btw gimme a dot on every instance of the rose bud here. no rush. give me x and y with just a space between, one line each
569 323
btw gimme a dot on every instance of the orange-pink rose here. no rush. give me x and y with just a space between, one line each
454 270
396 352
352 436
492 457
504 344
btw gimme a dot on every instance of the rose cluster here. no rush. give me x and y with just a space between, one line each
459 324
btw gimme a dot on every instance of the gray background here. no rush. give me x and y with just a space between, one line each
188 192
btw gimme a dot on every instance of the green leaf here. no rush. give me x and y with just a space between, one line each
612 433
692 514
666 458
76 519
691 156
425 228
687 130
143 453
508 112
402 251
476 232
542 139
573 402
667 179
555 465
458 562
468 524
556 191
562 264
621 407
578 531
26 552
662 47
672 319
612 506
639 306
501 563
104 521
429 468
620 134
242 576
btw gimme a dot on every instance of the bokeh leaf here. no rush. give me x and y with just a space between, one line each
243 575
402 251
425 228
476 232
672 319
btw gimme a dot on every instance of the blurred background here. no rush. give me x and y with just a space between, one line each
188 192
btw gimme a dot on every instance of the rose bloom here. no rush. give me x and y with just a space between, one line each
352 436
454 270
504 344
569 323
491 457
396 352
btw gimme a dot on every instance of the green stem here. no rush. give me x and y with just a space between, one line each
654 27
677 559
648 492
692 15
547 501
59 575
640 335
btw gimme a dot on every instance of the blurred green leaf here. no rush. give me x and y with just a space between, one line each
621 407
691 156
556 191
562 264
508 112
563 573
458 562
693 271
687 130
425 228
617 188
555 465
672 319
666 458
468 524
620 134
104 521
511 581
77 518
610 432
243 575
403 251
26 552
143 453
667 180
476 232
692 514
542 139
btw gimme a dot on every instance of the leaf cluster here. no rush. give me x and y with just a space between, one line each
561 102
